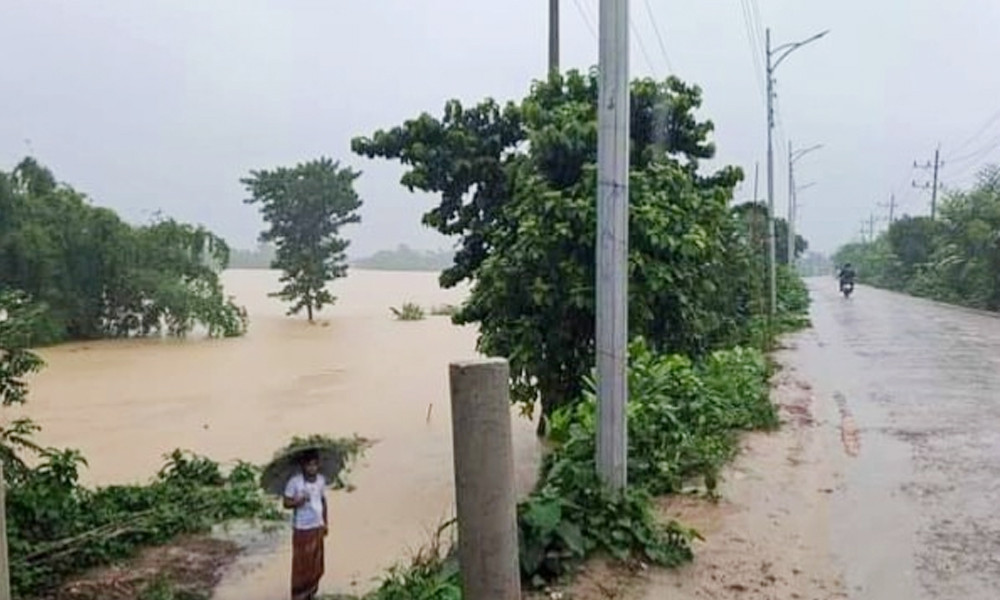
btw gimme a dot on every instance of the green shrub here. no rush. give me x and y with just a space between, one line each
58 528
409 312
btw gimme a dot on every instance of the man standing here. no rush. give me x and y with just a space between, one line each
304 494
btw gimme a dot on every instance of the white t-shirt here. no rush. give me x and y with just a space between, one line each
310 514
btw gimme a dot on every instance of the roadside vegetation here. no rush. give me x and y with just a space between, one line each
954 259
698 370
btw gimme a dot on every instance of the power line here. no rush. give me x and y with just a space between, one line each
993 119
586 18
756 18
755 45
659 36
642 46
978 154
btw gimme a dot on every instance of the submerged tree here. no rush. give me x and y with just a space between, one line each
305 207
98 276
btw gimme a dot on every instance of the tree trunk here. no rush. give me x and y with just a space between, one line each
309 311
553 394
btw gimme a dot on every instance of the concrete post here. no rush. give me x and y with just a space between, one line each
4 561
484 480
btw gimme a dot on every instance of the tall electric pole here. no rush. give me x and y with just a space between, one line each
772 253
891 205
553 37
790 233
782 53
612 242
934 190
935 166
793 197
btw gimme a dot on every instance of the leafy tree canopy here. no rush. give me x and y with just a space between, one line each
305 207
98 276
518 186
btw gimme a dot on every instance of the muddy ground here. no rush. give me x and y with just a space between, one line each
767 537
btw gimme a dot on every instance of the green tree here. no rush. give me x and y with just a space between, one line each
305 207
953 259
17 319
753 220
96 275
518 186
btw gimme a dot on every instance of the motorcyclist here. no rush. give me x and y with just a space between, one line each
846 276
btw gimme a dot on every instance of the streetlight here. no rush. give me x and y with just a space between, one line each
782 53
793 157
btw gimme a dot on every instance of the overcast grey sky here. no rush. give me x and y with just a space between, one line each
152 105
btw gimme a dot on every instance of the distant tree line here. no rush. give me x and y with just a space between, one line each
404 258
955 258
260 258
97 276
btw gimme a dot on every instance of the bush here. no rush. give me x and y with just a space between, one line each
683 421
58 528
409 312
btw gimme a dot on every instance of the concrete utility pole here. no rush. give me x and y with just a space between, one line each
793 198
891 205
553 37
612 242
790 233
935 166
485 499
781 52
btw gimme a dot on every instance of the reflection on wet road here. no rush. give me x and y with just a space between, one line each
918 515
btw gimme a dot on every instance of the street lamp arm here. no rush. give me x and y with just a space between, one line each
800 153
787 49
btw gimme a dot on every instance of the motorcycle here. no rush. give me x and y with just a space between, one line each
846 288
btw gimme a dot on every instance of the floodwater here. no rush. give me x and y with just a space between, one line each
918 384
358 370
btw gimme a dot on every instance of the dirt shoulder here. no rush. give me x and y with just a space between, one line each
768 538
189 567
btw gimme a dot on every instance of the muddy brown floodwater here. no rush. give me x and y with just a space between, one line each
125 404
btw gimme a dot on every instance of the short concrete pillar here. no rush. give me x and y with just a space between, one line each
484 480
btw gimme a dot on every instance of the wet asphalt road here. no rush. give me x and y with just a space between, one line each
917 514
